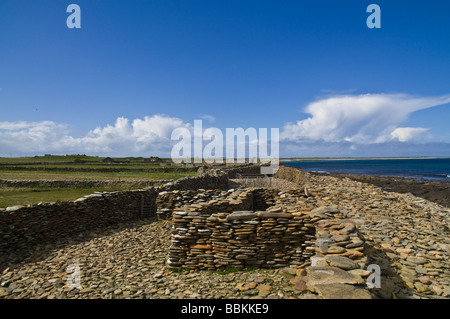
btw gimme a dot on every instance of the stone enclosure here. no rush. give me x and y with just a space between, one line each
213 227
235 230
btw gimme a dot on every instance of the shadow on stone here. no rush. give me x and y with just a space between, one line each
20 252
392 286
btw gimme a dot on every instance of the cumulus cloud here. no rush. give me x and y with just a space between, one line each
367 118
150 135
405 134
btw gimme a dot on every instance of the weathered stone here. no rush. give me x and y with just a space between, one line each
341 291
201 247
300 285
246 286
360 272
341 262
321 211
244 215
417 260
274 215
264 290
330 275
331 249
317 261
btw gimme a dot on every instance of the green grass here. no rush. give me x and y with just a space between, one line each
12 196
49 159
93 176
90 165
71 158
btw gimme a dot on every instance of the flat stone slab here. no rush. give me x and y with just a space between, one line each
321 211
274 215
341 291
330 275
341 262
241 215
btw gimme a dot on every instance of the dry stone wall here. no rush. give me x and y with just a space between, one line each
72 183
218 180
239 239
339 268
234 232
22 228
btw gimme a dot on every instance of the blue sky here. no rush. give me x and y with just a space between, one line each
138 69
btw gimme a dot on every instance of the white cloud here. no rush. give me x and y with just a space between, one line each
405 134
150 135
368 118
209 118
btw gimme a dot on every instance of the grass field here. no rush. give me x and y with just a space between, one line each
132 171
69 158
12 196
93 176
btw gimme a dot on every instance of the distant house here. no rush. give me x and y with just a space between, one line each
152 159
108 160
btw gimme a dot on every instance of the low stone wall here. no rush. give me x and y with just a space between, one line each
209 181
339 269
245 169
72 183
22 228
223 200
291 174
100 169
233 231
203 240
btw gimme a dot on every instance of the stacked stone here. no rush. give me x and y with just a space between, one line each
81 183
24 227
203 240
217 181
337 236
264 198
338 269
191 234
167 201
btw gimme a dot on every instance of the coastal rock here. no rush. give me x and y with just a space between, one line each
341 262
341 291
330 275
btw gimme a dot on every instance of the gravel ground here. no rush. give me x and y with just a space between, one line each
129 262
407 236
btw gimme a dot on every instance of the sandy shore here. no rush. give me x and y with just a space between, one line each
435 191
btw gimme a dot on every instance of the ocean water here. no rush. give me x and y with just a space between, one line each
420 169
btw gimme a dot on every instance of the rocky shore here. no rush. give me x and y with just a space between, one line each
405 235
433 190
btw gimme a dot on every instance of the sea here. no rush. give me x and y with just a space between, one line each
416 168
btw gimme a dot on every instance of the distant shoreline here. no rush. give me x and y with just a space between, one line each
311 159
